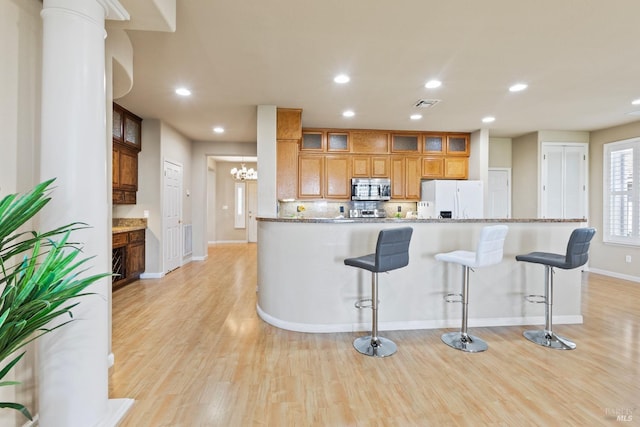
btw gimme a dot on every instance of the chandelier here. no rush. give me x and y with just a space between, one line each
243 173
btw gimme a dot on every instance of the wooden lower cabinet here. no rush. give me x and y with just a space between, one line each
337 177
128 256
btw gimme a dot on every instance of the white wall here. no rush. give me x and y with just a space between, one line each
608 258
20 84
160 142
500 152
199 200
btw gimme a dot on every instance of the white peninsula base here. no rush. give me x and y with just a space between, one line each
303 284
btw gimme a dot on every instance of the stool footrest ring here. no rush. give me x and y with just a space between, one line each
536 299
453 298
364 303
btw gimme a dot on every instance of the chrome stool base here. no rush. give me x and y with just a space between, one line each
468 343
382 347
549 339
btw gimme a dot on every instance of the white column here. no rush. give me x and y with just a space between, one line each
266 149
73 367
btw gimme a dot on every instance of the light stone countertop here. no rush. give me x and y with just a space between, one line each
304 220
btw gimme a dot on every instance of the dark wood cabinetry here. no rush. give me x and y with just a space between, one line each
127 143
128 256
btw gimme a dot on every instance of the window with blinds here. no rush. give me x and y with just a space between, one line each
621 210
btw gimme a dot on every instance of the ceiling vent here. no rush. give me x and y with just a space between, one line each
426 103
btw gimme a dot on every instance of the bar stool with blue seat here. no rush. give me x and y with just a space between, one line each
392 252
488 252
577 255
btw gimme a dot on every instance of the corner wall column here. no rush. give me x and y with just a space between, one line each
73 360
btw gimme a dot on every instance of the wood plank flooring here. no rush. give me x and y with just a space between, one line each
191 351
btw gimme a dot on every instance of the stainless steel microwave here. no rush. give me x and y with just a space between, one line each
370 189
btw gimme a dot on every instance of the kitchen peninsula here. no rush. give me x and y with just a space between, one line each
303 284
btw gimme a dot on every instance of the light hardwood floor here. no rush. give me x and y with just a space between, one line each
191 351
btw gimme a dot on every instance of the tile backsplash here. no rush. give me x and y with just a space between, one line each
329 209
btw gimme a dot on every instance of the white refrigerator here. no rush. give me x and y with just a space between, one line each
464 199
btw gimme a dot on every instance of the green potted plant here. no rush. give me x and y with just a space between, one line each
39 281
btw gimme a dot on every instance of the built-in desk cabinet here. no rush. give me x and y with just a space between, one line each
128 256
127 143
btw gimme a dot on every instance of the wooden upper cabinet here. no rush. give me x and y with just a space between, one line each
127 128
118 123
287 169
133 131
128 168
289 123
361 166
310 176
433 167
338 141
312 140
456 167
405 177
380 167
397 177
337 177
413 176
370 166
405 143
458 145
434 144
369 142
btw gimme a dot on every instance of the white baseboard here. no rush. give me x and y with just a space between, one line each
415 324
32 423
199 258
111 359
151 275
228 241
116 410
616 275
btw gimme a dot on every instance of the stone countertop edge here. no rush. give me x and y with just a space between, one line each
420 221
123 225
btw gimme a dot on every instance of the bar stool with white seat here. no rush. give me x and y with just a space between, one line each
392 252
488 252
577 255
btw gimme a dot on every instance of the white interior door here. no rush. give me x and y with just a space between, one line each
564 180
252 210
499 193
172 216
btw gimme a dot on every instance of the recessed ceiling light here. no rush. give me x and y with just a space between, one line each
348 113
341 78
518 87
635 102
218 129
415 116
183 91
488 119
432 84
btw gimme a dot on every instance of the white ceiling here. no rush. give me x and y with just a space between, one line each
580 58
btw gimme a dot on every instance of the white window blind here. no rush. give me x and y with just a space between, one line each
621 198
